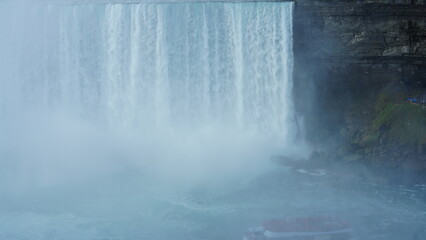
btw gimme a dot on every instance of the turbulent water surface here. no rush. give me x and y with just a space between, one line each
157 121
130 211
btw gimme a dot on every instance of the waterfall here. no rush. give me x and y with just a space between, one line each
147 69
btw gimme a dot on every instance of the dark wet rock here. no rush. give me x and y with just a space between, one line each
317 160
290 162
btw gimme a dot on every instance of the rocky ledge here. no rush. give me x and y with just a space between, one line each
356 64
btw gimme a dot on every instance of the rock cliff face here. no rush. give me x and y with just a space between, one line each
355 64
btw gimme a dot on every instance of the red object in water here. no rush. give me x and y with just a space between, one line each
311 228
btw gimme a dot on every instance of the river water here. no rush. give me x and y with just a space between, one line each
128 209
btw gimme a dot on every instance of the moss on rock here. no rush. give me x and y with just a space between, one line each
399 122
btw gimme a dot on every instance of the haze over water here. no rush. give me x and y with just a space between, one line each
157 121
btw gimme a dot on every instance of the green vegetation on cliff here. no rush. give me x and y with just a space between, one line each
399 122
395 134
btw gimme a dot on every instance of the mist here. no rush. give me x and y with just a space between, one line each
100 87
166 121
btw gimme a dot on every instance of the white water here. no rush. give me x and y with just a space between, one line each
156 122
144 66
188 92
